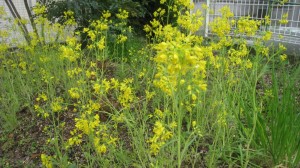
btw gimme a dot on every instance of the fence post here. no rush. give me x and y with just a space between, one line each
207 18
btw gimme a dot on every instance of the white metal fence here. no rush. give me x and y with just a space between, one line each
46 31
7 21
257 10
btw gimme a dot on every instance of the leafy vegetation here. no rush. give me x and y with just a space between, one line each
171 99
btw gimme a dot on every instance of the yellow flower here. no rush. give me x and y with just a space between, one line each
86 30
69 17
158 113
284 19
158 128
114 83
39 9
194 97
42 96
203 86
267 20
265 51
283 57
248 26
76 140
95 106
173 124
101 44
147 28
46 161
267 36
92 35
123 14
162 1
73 72
56 105
74 93
282 47
101 149
106 85
97 88
149 95
194 123
126 96
204 6
161 135
155 23
225 11
121 39
106 14
71 41
248 64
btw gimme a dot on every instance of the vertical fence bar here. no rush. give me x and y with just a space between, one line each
257 10
207 18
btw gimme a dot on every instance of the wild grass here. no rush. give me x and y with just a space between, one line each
172 99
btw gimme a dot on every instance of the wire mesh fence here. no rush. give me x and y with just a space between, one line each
288 10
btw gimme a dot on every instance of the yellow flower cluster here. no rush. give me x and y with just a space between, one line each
56 104
121 39
267 36
190 22
46 161
88 125
247 26
106 14
284 19
221 26
74 93
69 18
283 57
267 20
161 135
74 72
39 9
43 107
41 100
159 12
180 58
125 94
177 62
184 4
162 1
123 14
71 51
236 55
97 32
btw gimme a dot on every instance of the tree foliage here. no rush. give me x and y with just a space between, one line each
88 10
